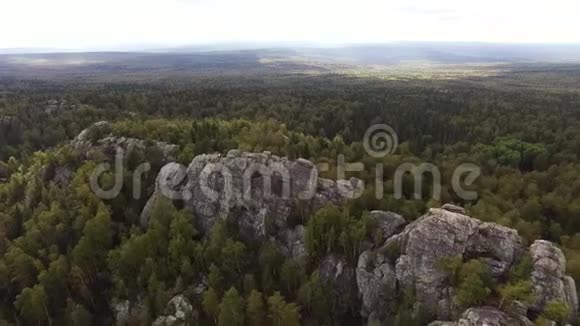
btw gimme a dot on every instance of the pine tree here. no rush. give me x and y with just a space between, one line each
91 252
282 313
211 304
231 309
255 309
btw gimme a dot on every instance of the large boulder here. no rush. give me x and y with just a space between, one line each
126 312
411 261
376 282
88 136
263 194
293 242
178 312
388 223
445 233
548 277
98 139
485 316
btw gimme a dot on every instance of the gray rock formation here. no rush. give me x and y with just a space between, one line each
292 241
550 282
262 193
59 175
86 137
485 316
388 223
411 260
443 233
178 313
126 311
267 197
376 282
453 208
97 139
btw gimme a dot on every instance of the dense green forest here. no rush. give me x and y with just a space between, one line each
66 254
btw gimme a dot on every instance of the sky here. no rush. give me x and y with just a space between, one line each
109 24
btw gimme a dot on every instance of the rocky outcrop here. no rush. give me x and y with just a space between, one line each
485 316
443 233
453 208
97 140
178 313
58 175
125 311
550 282
269 197
260 192
292 242
376 282
410 261
88 136
388 223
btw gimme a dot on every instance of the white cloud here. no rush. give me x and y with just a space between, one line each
85 24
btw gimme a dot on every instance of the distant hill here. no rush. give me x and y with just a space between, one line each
242 58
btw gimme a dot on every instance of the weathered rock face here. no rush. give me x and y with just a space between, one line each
442 233
453 208
178 313
292 241
98 139
376 281
86 137
262 193
59 175
485 316
388 223
411 260
550 282
267 197
125 311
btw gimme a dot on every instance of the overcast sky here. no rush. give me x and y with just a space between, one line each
84 24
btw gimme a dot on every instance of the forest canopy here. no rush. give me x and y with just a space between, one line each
68 255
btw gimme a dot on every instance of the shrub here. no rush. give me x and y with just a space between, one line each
558 311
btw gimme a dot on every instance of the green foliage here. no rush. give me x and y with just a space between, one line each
558 311
65 253
92 250
32 305
521 291
471 292
211 304
231 309
522 270
515 153
270 260
331 230
541 321
255 309
472 279
282 313
451 266
314 297
292 274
